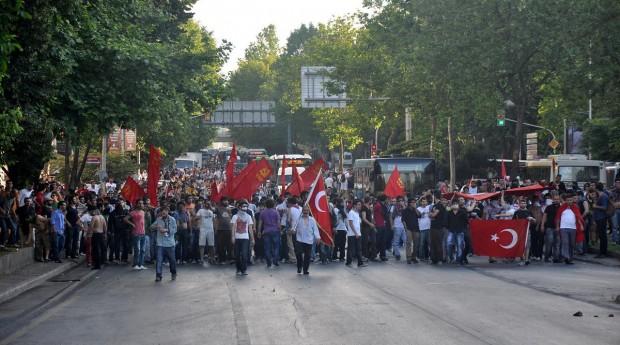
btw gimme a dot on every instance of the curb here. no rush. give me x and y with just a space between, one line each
35 281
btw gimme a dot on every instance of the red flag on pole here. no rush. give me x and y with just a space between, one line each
283 174
230 171
259 174
153 174
499 238
502 173
132 191
309 175
395 186
215 195
242 174
319 207
297 185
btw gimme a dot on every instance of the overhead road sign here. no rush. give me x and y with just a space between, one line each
243 114
315 83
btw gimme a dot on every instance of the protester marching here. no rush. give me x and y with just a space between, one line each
212 216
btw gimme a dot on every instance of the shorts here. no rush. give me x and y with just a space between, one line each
206 237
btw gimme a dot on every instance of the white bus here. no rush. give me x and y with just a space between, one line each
572 168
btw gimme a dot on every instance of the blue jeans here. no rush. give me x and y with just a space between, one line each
615 225
424 244
399 235
271 242
456 239
138 250
165 252
58 245
242 249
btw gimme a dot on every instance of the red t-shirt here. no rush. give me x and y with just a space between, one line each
377 212
137 218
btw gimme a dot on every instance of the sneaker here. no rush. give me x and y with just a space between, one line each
362 265
244 273
143 267
174 277
157 279
276 263
135 268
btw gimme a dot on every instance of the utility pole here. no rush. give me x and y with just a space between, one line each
341 163
104 159
452 158
407 124
565 135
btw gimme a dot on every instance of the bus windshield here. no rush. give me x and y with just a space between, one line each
418 174
579 173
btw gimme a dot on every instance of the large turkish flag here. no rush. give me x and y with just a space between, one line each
153 174
320 210
132 191
499 238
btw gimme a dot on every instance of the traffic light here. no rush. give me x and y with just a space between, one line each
501 120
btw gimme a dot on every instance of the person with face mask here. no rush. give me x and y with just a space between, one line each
242 234
552 237
307 233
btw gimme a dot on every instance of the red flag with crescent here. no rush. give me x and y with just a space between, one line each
317 201
499 238
395 186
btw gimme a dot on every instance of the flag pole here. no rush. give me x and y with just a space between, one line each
313 185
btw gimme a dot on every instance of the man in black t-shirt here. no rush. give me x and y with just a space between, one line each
552 237
438 229
524 213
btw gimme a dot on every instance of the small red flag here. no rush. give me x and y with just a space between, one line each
283 174
230 171
297 185
499 238
215 195
395 186
132 191
502 173
309 175
153 174
320 210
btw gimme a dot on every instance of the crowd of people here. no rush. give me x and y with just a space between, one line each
186 227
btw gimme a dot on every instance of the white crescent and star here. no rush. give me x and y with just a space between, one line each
317 200
515 238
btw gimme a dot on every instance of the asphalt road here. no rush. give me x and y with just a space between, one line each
385 303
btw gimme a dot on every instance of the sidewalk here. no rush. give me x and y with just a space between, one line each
32 275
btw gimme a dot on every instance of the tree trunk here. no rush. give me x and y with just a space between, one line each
433 129
74 165
88 147
67 160
452 157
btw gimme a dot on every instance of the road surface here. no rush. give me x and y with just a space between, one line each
385 303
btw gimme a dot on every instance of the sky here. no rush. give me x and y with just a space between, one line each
239 21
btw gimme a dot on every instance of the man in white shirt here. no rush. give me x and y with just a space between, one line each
206 235
329 181
354 233
424 210
24 193
293 215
